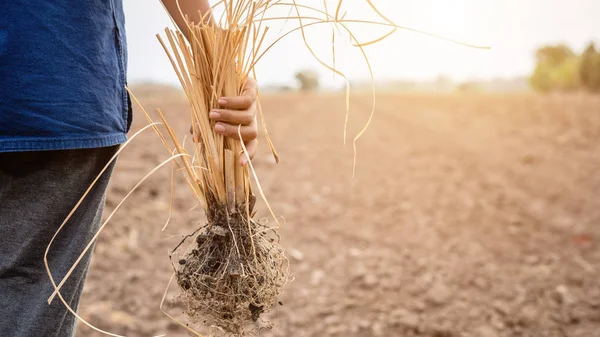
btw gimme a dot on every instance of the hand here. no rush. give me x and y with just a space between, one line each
236 111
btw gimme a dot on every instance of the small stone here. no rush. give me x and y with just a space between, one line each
354 252
426 279
423 262
377 329
529 314
575 280
410 320
370 280
316 277
577 314
295 254
497 323
398 313
419 306
513 230
563 295
501 307
480 283
360 271
439 294
364 324
331 330
415 290
486 331
331 319
532 259
121 318
474 312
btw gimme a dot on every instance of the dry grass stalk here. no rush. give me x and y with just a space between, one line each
236 268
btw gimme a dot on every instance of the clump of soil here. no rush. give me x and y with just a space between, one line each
235 272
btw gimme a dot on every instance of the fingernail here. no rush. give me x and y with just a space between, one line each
222 101
219 128
214 115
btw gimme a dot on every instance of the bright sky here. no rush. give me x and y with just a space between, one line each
513 28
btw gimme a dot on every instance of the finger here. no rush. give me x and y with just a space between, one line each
242 102
243 117
248 132
251 148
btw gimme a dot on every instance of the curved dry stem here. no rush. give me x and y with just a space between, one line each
321 21
337 10
114 157
362 131
95 237
162 301
172 194
260 190
379 39
46 264
332 68
261 114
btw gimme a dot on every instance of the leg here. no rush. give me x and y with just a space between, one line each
37 192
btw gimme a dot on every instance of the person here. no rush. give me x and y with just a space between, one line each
64 112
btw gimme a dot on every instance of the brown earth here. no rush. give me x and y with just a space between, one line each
474 216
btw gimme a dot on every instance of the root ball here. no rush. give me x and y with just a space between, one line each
234 274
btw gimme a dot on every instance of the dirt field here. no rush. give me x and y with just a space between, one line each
474 216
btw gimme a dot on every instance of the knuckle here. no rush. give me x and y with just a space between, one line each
247 118
252 133
235 134
230 131
224 115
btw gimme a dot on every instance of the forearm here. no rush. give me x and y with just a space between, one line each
195 10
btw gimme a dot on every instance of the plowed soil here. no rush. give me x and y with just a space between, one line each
468 215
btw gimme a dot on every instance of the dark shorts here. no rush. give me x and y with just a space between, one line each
37 192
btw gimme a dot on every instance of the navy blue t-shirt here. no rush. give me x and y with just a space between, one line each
63 66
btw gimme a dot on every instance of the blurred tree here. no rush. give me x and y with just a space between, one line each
553 56
557 68
566 75
309 80
469 87
541 79
589 69
596 82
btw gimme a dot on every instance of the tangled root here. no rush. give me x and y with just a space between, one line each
234 274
